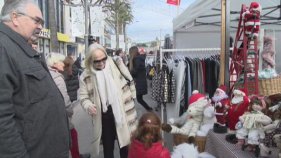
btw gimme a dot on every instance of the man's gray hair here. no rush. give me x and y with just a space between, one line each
13 5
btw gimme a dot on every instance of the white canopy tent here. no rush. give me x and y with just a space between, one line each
207 12
199 26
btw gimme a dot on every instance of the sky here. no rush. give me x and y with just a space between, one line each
153 18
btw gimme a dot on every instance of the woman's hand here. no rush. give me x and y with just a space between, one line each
92 110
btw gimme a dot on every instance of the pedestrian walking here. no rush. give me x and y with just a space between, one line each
105 94
138 71
33 121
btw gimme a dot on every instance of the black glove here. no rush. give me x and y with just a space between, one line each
166 127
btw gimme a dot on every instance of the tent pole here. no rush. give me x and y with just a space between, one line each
227 43
223 31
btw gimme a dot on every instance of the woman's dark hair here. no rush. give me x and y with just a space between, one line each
148 130
133 51
68 62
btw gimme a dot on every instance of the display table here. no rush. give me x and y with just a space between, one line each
220 148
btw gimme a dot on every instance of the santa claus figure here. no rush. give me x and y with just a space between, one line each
238 106
252 20
221 104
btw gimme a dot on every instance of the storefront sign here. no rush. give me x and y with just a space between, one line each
45 33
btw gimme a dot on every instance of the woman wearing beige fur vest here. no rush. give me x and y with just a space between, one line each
106 96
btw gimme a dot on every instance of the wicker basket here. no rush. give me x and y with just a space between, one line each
270 86
267 87
200 142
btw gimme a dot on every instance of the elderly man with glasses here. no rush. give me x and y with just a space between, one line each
33 120
106 96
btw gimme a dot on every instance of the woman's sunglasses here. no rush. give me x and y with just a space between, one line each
100 61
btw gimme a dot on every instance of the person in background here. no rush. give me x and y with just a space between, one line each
120 54
56 67
138 71
91 40
33 121
106 96
71 77
33 41
147 140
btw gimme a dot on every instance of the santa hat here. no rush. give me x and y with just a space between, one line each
196 96
255 6
242 91
222 88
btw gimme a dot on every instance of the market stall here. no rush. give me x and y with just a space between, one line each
242 108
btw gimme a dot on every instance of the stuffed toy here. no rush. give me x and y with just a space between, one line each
271 130
208 121
251 18
221 103
268 53
191 119
253 123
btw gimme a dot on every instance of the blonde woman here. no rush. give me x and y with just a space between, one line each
106 96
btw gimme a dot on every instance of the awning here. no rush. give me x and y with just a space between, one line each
205 15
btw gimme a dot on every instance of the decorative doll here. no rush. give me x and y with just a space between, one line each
238 105
253 123
208 121
221 104
252 20
191 119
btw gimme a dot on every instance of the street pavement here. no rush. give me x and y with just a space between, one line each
84 127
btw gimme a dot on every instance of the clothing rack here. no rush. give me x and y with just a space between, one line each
199 51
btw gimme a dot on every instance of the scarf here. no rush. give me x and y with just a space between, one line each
108 93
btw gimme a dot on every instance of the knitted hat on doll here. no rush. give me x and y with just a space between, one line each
255 6
196 96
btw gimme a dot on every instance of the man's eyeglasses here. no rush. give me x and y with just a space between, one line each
35 19
100 61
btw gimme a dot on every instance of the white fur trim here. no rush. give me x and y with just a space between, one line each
236 91
218 89
250 23
195 92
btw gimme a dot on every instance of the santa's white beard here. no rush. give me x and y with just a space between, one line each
217 98
237 99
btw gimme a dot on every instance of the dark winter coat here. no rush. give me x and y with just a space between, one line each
139 74
33 120
72 82
137 150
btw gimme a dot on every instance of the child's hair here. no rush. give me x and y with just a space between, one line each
148 130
